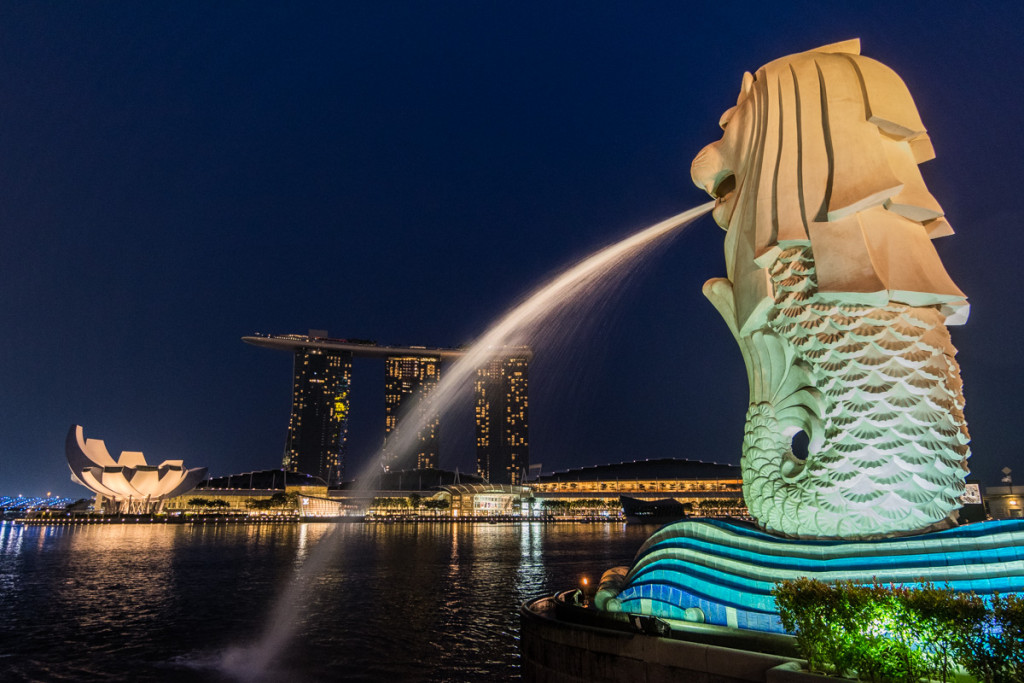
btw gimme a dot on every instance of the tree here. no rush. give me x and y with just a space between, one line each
436 504
387 503
283 500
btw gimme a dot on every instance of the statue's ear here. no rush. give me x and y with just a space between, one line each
726 117
748 84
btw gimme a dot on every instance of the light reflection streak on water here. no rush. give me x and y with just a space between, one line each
300 555
10 541
453 561
120 569
531 574
11 536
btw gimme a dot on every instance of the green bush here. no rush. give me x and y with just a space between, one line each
816 613
1009 616
947 622
895 634
995 651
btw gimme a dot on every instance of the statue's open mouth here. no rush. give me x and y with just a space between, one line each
722 192
724 187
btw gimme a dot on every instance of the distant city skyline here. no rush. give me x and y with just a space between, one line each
321 405
175 176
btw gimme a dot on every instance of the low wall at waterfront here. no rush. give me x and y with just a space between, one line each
61 519
556 650
74 520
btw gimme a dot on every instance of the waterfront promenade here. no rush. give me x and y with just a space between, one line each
76 520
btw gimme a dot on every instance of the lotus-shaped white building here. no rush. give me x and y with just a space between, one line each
128 485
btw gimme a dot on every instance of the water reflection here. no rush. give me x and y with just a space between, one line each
428 602
10 544
117 578
531 575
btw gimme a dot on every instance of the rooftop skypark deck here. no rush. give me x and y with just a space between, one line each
291 342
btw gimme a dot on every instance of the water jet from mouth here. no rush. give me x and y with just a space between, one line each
523 325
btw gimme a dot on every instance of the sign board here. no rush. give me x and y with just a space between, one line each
971 495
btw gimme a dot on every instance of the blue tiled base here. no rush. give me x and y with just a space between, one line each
728 570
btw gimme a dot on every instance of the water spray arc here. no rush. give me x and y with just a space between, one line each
516 327
519 325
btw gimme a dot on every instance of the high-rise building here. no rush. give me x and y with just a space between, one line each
502 417
408 381
320 408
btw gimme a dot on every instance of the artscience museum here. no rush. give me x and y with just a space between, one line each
127 485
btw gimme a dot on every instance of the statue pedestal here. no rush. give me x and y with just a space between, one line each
727 570
561 643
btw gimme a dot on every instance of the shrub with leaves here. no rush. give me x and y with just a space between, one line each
994 652
947 623
1009 617
817 614
895 634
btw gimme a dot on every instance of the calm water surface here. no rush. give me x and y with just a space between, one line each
400 602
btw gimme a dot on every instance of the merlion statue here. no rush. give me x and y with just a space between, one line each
838 300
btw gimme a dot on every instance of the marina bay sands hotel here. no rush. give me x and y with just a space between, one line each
321 403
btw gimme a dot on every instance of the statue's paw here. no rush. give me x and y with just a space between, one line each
719 292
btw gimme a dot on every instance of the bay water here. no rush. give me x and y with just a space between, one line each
398 602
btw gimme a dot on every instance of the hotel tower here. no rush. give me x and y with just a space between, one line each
320 409
408 382
502 417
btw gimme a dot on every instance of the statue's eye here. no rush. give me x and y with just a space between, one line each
726 117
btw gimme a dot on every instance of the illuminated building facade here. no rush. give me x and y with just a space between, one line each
488 500
408 382
646 478
320 409
127 485
502 418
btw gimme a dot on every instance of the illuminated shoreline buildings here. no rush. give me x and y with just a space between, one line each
127 485
321 404
501 393
410 371
408 382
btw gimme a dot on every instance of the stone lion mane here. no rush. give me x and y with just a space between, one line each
825 147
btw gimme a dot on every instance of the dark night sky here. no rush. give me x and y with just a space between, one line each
174 176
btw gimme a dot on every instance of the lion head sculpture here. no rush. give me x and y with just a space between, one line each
822 148
838 300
